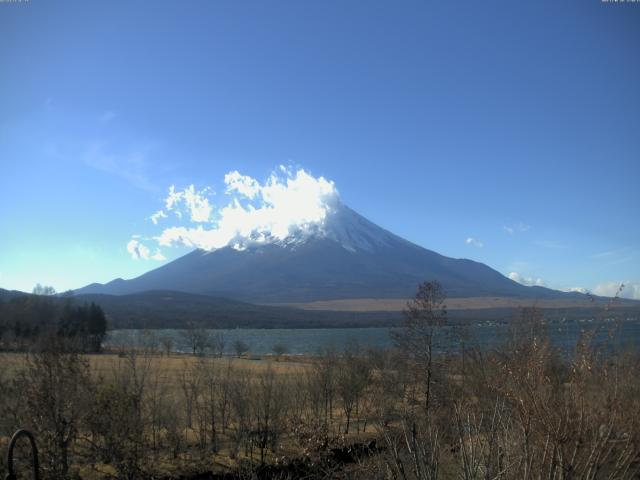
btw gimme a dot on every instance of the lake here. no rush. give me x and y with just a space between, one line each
625 334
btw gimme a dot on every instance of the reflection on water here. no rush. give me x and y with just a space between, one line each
625 334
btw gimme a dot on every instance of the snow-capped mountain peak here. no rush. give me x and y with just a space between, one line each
343 226
342 256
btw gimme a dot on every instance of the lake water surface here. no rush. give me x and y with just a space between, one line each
625 334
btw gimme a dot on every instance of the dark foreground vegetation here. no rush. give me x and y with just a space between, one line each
27 321
524 410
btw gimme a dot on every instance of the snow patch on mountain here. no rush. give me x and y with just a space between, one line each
345 227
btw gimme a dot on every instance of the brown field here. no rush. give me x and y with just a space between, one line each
469 303
167 379
171 366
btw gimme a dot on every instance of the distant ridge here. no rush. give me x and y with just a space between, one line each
171 309
6 295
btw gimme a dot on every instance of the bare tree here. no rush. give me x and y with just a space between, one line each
155 402
217 344
224 395
167 344
268 411
149 342
424 314
207 402
55 387
43 290
240 402
189 382
240 347
117 429
322 382
280 349
351 380
197 338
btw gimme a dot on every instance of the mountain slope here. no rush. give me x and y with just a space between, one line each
345 257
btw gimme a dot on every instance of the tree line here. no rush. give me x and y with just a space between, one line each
30 320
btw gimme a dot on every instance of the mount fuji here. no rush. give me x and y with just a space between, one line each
343 257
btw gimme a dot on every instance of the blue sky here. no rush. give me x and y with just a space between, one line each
505 132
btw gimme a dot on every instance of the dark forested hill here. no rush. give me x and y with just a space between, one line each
170 309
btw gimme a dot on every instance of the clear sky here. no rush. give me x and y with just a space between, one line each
507 132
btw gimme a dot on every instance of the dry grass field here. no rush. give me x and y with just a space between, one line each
195 413
104 363
469 303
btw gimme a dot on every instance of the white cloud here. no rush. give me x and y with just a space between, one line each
139 251
474 242
195 201
629 290
258 212
519 227
173 198
158 256
528 281
155 218
242 184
